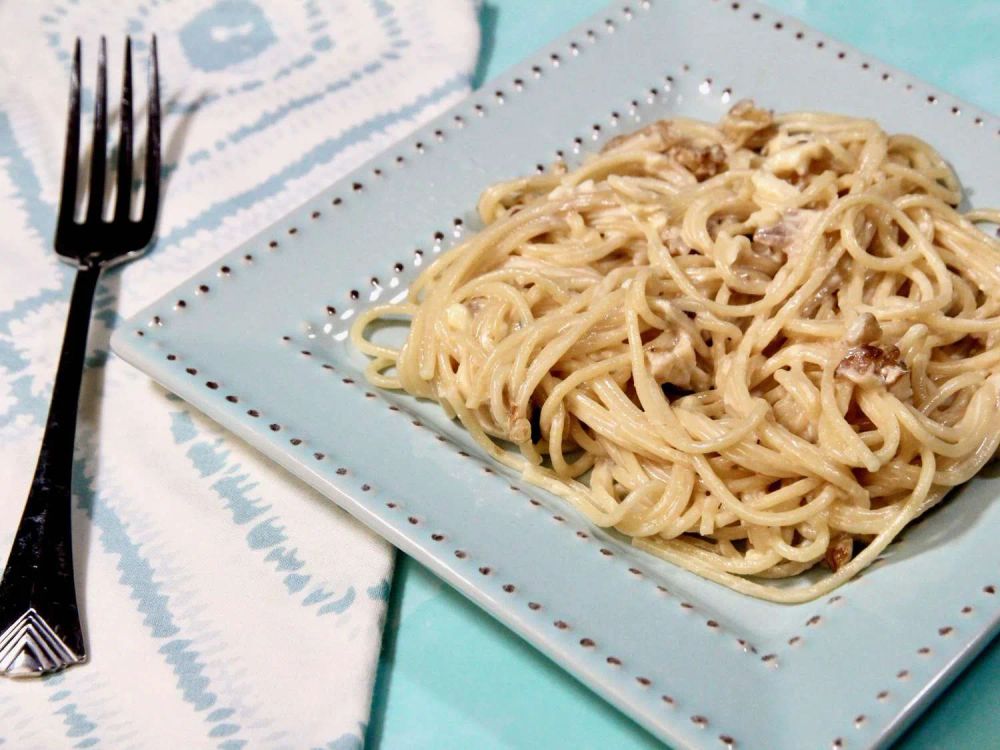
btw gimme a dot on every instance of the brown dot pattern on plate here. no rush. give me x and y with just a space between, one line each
437 537
699 721
341 471
509 588
534 605
561 625
484 570
460 554
587 642
644 681
232 399
614 661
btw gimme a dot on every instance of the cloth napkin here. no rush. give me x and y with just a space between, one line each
225 604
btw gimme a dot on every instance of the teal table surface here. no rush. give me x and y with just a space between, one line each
452 677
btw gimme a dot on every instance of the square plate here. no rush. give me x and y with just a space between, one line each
257 341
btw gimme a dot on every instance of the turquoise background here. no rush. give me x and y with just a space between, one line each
452 677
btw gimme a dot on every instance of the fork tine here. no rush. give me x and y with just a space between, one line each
98 155
151 198
67 201
124 190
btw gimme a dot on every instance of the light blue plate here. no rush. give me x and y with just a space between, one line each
257 342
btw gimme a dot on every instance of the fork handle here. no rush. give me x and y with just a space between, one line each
39 621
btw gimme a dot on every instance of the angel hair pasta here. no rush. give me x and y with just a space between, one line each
755 348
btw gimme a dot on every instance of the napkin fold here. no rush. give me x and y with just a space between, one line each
225 603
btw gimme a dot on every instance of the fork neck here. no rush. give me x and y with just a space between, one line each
60 427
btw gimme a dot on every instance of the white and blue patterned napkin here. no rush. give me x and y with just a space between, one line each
226 605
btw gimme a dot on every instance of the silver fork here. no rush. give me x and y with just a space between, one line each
39 620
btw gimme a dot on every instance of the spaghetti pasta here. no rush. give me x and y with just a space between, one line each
755 348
